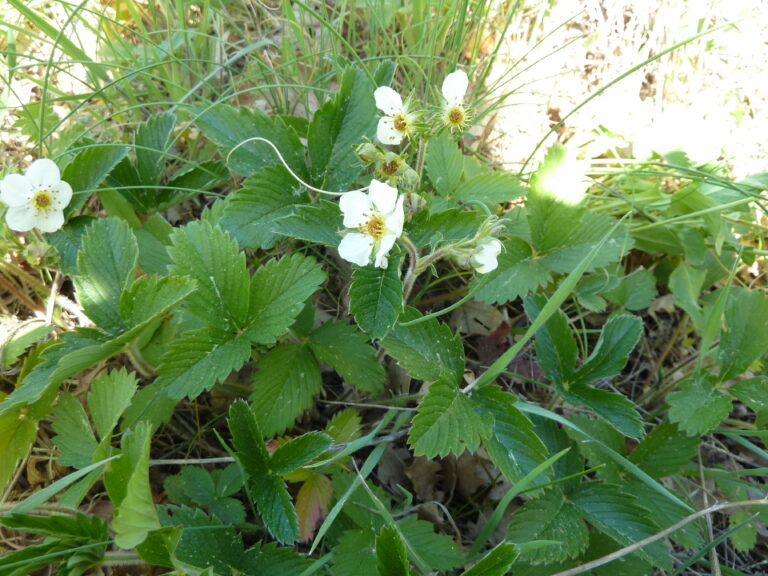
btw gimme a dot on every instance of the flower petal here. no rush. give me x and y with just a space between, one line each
356 207
485 258
356 248
62 194
50 220
394 221
455 87
382 249
386 132
21 218
387 100
383 196
15 190
43 172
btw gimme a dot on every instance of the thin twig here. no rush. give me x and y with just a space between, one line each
658 536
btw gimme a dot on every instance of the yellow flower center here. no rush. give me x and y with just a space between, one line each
400 122
455 116
375 227
391 168
42 200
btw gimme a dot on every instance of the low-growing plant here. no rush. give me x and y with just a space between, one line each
269 318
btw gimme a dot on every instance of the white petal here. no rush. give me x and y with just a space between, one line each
356 248
385 245
50 221
43 172
383 196
485 258
386 133
356 207
387 100
15 190
62 194
21 218
394 221
455 87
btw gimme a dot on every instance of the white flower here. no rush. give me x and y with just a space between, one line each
454 89
484 257
397 122
37 199
378 217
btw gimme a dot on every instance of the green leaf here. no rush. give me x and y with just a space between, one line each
74 437
616 409
89 169
556 351
447 422
491 188
551 518
635 291
497 562
514 447
299 451
686 283
106 265
135 514
212 258
67 241
746 314
376 297
154 238
285 380
445 164
189 180
109 397
518 273
266 489
16 437
278 292
79 525
697 406
429 229
439 551
266 196
753 392
426 350
319 223
337 128
151 141
391 555
615 513
665 451
228 128
21 338
355 553
617 339
148 298
347 350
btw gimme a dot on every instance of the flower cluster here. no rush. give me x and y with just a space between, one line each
37 198
399 121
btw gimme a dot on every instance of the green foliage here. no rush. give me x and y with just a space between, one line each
376 298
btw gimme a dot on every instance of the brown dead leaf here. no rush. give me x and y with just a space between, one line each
424 475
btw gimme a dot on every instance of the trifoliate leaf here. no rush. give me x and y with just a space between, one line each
285 380
278 292
426 350
513 446
230 128
445 164
135 515
337 127
635 291
665 451
746 315
198 359
551 518
518 273
319 223
697 406
617 339
348 351
447 422
74 437
376 297
391 555
105 266
213 259
249 213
